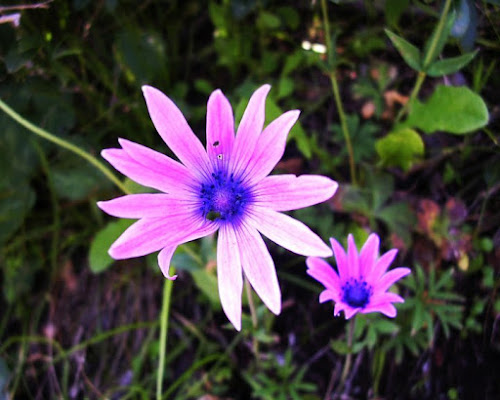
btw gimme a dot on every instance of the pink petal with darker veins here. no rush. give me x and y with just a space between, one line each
175 131
146 205
156 179
270 147
287 232
143 237
229 275
173 173
220 130
258 267
249 130
152 234
290 192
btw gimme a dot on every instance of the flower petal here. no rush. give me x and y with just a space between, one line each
386 297
320 270
349 312
175 131
338 308
229 275
220 129
341 259
327 295
152 234
270 147
175 176
368 255
143 237
119 159
352 257
288 232
164 258
381 265
290 192
146 205
249 130
258 267
389 278
384 308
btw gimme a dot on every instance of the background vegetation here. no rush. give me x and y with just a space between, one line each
413 85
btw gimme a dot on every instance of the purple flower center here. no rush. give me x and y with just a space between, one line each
223 197
356 293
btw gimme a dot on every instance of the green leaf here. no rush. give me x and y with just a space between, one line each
206 281
76 182
15 203
381 187
393 10
19 273
450 65
400 148
386 327
268 21
99 259
451 109
203 86
409 52
340 347
435 44
399 219
290 16
286 86
135 50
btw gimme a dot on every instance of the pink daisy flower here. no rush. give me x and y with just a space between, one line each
362 281
225 188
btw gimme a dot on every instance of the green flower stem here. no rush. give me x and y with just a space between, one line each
336 93
427 61
414 93
55 210
165 311
439 31
348 360
253 314
65 144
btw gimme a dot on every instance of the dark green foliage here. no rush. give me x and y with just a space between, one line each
420 93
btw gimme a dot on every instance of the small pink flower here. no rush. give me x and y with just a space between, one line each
362 282
225 188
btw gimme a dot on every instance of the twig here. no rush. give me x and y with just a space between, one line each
44 4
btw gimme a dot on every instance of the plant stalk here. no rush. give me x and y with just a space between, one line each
253 314
348 360
165 311
336 93
426 62
64 144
